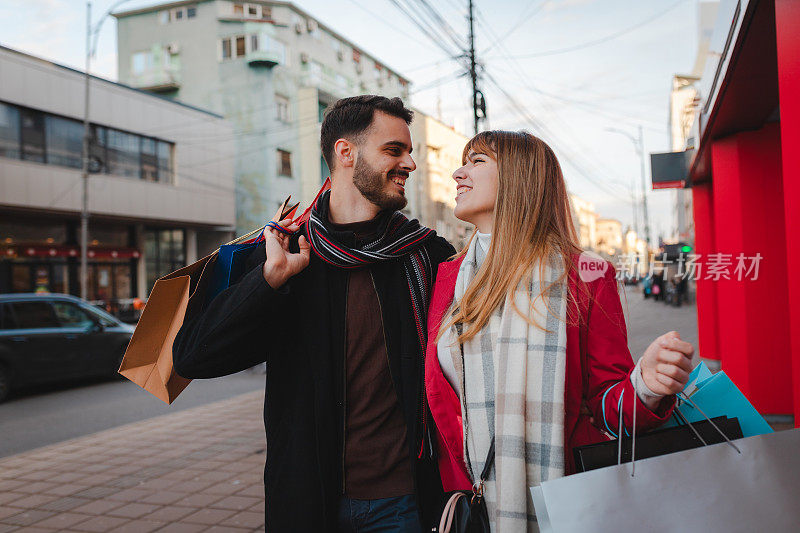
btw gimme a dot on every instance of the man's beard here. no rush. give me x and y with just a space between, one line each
372 186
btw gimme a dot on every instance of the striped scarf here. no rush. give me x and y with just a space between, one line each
513 381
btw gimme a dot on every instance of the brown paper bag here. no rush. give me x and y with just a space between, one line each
148 358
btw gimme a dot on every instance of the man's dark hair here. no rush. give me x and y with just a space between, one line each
350 117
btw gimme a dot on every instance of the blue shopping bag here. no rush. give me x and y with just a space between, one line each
716 395
230 265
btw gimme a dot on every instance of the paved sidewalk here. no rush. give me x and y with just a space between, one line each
195 470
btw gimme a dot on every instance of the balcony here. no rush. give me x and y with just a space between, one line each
265 58
158 80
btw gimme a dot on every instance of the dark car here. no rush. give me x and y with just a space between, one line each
48 338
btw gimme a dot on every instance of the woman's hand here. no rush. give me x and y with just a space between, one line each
281 264
666 364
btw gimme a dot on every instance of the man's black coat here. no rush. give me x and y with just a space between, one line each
298 330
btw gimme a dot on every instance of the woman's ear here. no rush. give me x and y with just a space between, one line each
344 152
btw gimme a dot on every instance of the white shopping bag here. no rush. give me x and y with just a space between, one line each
747 485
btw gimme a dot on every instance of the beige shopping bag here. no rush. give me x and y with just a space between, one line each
148 359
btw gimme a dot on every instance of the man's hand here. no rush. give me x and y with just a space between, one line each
281 264
666 364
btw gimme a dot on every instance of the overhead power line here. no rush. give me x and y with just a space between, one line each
602 39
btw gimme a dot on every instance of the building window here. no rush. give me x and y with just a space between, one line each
64 141
240 46
32 135
164 155
123 154
149 160
226 48
283 110
284 163
9 131
164 252
254 42
176 14
238 9
252 11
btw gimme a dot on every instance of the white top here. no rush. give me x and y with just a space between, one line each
448 339
644 393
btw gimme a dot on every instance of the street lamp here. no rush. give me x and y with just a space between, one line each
91 48
639 146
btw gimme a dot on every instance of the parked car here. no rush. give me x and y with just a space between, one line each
48 338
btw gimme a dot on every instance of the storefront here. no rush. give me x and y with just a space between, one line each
745 179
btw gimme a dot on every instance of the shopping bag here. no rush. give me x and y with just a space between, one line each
230 265
148 358
655 443
745 485
716 395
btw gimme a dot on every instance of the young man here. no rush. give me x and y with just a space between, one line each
337 309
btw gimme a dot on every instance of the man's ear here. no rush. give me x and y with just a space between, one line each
345 153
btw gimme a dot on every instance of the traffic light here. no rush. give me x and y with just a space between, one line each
686 249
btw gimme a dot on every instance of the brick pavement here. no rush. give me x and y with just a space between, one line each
195 470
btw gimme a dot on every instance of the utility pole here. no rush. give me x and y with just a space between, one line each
644 189
85 174
476 94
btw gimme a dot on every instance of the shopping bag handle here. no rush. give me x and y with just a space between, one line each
684 397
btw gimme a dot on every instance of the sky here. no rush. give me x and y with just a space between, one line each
565 70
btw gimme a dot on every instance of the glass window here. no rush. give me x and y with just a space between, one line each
240 49
32 135
101 316
226 48
64 141
141 62
9 131
164 162
149 159
252 10
98 156
178 14
284 163
191 12
282 106
123 154
238 9
164 252
72 316
254 42
32 315
266 12
7 320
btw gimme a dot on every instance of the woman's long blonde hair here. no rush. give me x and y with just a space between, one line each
532 223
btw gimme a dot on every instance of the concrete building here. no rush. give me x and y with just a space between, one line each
584 217
609 237
432 192
684 99
270 68
161 192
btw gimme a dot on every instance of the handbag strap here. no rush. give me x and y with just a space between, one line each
487 465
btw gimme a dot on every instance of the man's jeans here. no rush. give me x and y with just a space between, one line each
395 515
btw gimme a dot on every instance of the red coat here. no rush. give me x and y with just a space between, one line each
597 346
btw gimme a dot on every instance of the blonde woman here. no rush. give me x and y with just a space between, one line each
527 346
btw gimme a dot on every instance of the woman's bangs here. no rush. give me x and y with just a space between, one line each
480 144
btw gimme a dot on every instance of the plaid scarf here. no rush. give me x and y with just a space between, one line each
401 239
513 380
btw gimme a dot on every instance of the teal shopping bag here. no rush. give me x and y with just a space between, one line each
716 395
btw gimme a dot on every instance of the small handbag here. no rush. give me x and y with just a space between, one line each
465 511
